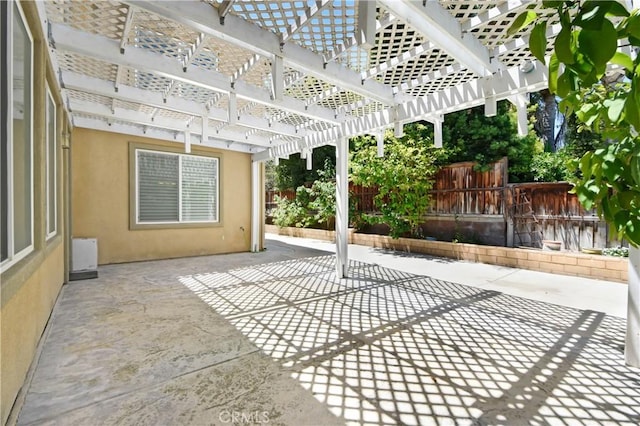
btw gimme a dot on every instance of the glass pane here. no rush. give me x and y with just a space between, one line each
157 187
4 136
22 215
51 166
199 189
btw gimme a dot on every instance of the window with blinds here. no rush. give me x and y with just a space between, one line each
176 188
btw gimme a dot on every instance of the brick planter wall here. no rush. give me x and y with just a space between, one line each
566 263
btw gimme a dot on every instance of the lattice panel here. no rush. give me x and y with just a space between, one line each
493 33
206 59
89 97
392 41
145 80
442 83
173 115
106 17
91 67
158 43
334 23
340 99
160 35
259 74
355 58
463 10
307 88
193 93
134 106
230 57
417 67
519 56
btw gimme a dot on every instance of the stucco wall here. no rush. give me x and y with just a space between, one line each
100 203
28 296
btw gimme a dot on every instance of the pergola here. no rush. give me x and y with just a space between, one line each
273 78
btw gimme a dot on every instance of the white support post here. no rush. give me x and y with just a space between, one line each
632 342
437 131
398 129
255 206
309 159
520 101
342 207
380 143
187 142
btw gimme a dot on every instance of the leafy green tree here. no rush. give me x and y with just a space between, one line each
469 135
292 173
403 176
609 177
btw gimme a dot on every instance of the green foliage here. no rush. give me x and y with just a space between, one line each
469 135
289 213
323 196
609 176
311 206
550 167
292 173
616 251
403 176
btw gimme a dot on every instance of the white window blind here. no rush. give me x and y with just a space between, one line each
174 188
199 189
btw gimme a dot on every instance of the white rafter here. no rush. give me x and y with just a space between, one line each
438 26
236 30
195 48
105 49
128 23
245 68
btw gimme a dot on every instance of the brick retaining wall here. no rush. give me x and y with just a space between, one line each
566 263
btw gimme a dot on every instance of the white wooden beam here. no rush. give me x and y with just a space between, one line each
224 9
152 132
74 81
204 18
103 48
140 118
257 189
438 26
342 207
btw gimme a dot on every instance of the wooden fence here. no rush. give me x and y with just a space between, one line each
530 212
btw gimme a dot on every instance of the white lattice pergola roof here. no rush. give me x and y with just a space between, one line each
277 77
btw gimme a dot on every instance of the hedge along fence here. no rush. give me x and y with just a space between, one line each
482 205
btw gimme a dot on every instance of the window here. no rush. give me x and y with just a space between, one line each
175 188
51 165
17 146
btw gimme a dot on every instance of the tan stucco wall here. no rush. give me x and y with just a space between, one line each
27 302
100 203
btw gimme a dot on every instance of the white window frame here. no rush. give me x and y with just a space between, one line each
180 221
51 150
13 257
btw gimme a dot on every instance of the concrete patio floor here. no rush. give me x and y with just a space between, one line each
275 338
